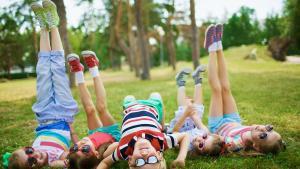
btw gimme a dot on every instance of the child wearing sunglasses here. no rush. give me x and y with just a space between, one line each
188 117
143 140
223 114
55 107
103 130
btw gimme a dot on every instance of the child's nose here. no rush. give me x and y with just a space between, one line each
144 153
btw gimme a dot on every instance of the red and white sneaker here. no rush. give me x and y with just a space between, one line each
74 62
90 58
219 32
210 36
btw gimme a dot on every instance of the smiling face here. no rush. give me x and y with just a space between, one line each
265 141
143 150
210 144
40 158
86 144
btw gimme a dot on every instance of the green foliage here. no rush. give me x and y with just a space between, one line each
274 26
242 28
292 13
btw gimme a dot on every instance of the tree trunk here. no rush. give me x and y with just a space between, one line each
64 34
132 42
120 40
195 38
142 41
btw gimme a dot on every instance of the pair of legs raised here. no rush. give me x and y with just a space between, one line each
97 116
222 101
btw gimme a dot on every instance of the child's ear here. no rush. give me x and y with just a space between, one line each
159 155
130 160
256 147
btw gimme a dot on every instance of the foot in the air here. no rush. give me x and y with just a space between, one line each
90 58
197 74
40 14
51 13
74 62
181 75
210 38
219 32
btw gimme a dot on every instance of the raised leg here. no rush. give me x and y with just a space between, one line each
229 104
180 81
197 76
91 113
216 106
101 103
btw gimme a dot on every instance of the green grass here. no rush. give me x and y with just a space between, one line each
267 92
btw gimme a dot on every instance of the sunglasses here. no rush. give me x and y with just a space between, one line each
264 135
141 162
86 149
30 160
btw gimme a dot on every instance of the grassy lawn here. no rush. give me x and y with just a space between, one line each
267 92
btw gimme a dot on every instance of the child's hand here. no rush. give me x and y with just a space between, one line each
190 110
178 163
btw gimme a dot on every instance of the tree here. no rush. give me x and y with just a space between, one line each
64 34
292 13
142 41
195 36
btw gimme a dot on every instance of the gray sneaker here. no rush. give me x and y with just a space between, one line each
180 76
197 74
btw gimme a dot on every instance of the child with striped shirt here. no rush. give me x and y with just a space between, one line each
142 143
223 114
55 107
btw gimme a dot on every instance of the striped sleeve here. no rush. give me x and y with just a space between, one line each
170 141
115 155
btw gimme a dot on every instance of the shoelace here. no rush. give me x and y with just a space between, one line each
40 21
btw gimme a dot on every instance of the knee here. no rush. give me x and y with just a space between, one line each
226 88
101 107
90 110
216 88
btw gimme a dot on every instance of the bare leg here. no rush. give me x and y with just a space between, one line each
198 96
229 104
181 96
101 104
44 41
86 100
55 39
216 106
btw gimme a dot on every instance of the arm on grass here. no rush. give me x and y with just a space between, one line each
111 148
188 111
106 163
183 141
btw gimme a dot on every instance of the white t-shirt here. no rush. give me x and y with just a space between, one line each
51 145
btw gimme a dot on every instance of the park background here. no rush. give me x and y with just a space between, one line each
142 43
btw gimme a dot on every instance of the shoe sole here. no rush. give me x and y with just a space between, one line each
71 56
47 4
207 29
185 70
197 70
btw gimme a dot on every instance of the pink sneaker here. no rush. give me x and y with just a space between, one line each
90 58
219 32
210 36
74 62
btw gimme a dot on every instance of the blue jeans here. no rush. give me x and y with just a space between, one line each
54 98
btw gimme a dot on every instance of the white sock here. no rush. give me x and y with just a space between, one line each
219 45
79 77
94 71
199 84
213 47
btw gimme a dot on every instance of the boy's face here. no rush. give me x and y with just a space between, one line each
142 151
35 157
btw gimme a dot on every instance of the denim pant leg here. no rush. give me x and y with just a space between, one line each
45 90
65 106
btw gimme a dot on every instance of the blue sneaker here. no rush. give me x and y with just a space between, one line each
210 36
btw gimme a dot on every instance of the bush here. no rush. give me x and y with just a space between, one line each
17 76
